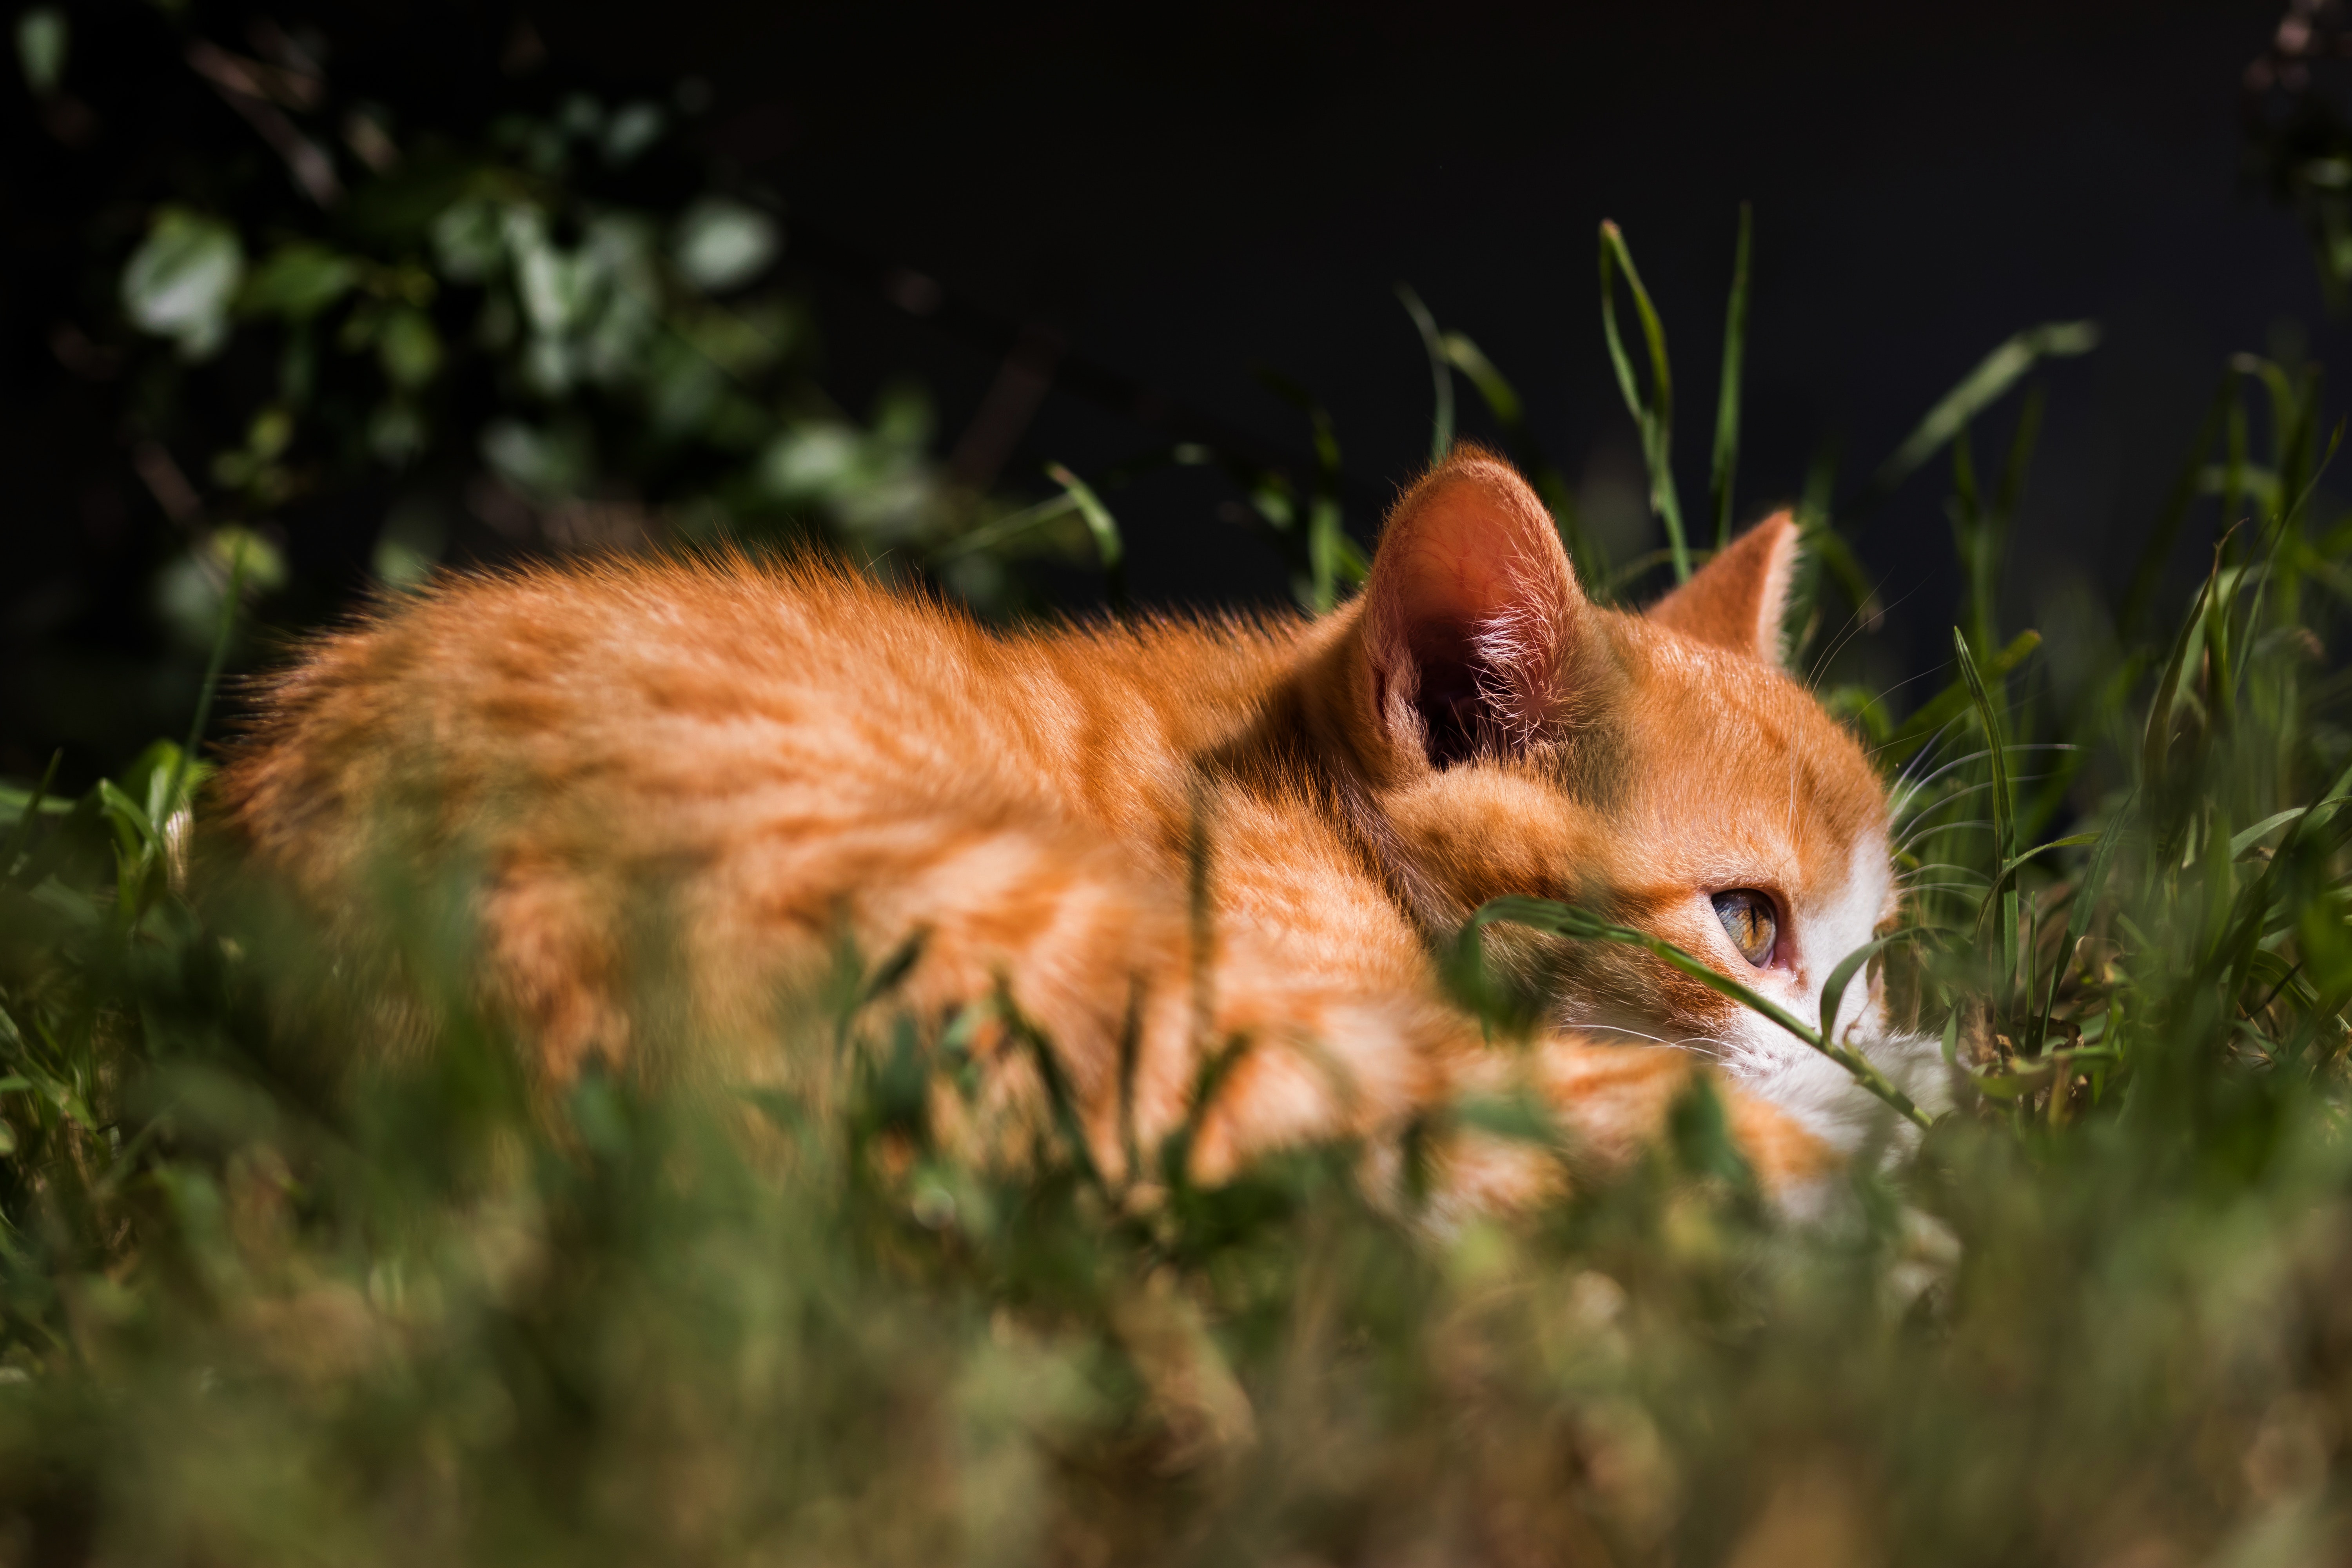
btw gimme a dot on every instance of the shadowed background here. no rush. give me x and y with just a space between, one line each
1083 233
1184 191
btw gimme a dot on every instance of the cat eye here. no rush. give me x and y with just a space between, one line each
1748 919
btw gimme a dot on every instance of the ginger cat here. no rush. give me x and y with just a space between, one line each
774 756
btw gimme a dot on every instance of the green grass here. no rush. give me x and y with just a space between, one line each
2103 1313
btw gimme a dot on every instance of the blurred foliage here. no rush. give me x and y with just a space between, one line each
360 308
2101 1312
436 311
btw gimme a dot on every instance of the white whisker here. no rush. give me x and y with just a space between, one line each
1714 1049
1987 751
1959 795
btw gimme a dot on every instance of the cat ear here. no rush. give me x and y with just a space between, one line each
1471 614
1736 600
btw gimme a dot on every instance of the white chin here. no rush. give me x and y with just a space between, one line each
1823 1096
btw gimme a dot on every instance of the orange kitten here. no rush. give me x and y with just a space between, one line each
758 759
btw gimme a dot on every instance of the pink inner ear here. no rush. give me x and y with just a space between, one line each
1469 613
1455 565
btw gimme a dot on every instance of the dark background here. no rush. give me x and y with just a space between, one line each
1163 199
1186 192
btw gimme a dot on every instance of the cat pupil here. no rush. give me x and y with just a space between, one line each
1748 920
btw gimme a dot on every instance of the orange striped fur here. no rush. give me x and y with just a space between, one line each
750 761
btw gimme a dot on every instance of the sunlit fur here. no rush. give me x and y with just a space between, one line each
739 766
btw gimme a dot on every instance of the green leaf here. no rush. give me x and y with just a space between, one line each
408 348
543 463
2242 844
127 813
298 281
41 41
1833 988
560 288
179 282
721 245
468 239
633 128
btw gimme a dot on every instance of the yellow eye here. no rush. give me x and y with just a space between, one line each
1748 919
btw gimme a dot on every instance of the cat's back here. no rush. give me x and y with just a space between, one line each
617 699
654 707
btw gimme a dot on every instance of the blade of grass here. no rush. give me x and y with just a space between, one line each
1502 398
2233 464
1503 401
1726 409
158 843
1058 1095
1103 526
2003 830
2010 867
1968 535
1994 523
231 600
1441 373
2155 741
1655 415
1006 528
1950 703
1979 390
1331 557
2021 442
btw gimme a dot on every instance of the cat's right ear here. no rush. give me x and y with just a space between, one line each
1470 616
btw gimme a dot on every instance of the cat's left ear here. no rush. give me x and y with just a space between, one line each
1471 616
1737 600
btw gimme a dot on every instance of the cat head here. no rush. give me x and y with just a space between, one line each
1508 736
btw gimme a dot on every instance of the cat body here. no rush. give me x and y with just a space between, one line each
1139 847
